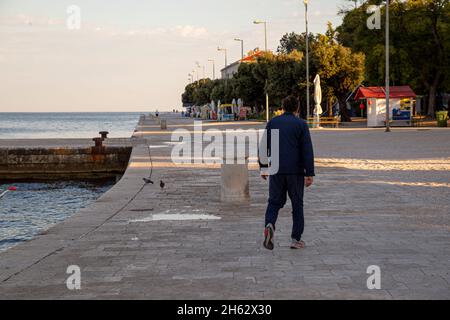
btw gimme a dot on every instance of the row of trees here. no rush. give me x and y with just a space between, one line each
345 58
420 45
283 73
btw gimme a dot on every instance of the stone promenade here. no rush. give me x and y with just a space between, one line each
379 199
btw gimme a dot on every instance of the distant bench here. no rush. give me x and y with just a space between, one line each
415 121
325 121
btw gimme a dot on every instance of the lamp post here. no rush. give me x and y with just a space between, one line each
388 89
307 62
265 49
213 68
242 47
265 31
224 50
199 67
193 74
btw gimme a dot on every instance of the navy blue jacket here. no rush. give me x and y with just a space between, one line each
295 146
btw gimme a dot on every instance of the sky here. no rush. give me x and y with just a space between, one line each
131 55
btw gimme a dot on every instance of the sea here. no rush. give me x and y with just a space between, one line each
66 125
35 207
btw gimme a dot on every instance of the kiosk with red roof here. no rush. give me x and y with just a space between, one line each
401 104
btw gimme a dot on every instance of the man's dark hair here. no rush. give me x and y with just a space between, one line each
290 104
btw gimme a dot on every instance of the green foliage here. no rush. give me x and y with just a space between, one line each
341 70
248 86
224 91
420 42
293 41
284 74
203 91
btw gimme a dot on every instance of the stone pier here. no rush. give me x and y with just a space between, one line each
56 159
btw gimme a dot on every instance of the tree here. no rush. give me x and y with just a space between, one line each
420 44
284 74
247 87
223 90
188 96
294 41
340 69
202 91
431 36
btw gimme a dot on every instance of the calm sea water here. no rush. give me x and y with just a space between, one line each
35 207
66 125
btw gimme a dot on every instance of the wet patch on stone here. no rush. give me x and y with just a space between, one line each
177 215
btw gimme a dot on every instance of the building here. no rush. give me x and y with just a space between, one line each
230 70
233 68
400 99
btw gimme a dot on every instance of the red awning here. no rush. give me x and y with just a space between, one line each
379 93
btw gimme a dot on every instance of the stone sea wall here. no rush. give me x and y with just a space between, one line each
63 163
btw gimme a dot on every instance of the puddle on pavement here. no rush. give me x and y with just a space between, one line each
165 145
176 215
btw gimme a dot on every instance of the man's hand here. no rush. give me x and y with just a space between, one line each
309 181
264 173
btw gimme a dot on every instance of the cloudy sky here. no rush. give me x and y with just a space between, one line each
130 55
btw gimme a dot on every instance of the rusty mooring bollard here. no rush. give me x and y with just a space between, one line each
104 134
98 145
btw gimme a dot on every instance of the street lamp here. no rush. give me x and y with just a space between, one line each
213 68
201 67
388 89
225 51
242 47
265 31
265 49
307 62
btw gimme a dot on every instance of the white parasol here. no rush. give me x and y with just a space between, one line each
318 99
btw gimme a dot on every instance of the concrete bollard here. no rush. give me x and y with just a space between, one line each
163 124
235 183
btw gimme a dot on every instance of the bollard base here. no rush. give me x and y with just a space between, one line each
235 183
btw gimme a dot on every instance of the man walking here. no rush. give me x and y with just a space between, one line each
296 170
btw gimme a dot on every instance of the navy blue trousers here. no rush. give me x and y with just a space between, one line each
279 187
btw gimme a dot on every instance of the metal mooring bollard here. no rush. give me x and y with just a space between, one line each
235 183
163 124
104 134
98 145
